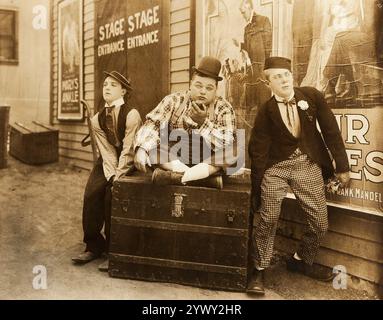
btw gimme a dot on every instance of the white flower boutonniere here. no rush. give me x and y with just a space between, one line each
303 105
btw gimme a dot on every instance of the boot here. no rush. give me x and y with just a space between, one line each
85 257
164 177
257 283
209 182
314 271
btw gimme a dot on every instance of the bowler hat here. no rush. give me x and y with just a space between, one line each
277 63
120 78
210 67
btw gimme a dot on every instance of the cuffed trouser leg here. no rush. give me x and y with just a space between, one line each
310 193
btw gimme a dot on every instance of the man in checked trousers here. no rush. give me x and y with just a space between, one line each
287 150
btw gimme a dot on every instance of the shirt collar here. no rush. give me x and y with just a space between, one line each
117 103
251 17
278 98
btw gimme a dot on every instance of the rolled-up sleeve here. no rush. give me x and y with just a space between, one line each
221 131
148 137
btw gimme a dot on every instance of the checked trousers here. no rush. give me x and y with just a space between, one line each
305 180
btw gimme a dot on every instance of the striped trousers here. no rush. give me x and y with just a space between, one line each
305 180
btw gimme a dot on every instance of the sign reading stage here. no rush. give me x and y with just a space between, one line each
138 21
144 18
130 39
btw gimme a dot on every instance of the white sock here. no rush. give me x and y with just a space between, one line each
296 256
178 166
175 165
259 268
199 171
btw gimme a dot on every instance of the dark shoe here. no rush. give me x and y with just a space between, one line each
164 177
209 182
103 267
314 271
256 285
85 257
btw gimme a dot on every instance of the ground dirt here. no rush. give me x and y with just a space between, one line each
40 224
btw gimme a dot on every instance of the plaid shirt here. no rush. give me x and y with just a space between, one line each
174 111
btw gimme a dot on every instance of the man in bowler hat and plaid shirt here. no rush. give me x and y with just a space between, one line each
202 116
114 128
287 150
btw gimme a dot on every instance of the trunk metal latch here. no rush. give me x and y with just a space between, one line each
230 216
178 205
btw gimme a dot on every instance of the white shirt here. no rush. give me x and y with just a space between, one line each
112 165
295 129
116 110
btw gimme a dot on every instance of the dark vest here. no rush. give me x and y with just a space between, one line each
121 124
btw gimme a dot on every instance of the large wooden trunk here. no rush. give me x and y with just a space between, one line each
188 235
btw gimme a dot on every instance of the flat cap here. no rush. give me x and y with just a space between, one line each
277 63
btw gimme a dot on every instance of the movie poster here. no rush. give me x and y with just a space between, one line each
239 34
70 60
336 47
337 51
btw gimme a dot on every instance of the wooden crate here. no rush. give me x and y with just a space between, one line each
36 144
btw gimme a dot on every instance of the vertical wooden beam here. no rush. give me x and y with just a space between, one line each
193 39
166 45
51 27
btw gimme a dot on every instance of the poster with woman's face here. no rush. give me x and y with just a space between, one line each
339 51
335 46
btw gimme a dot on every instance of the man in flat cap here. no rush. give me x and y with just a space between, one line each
199 121
114 128
287 150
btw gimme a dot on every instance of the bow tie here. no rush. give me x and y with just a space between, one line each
290 117
290 102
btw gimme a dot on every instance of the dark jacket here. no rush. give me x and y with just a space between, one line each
271 141
258 42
